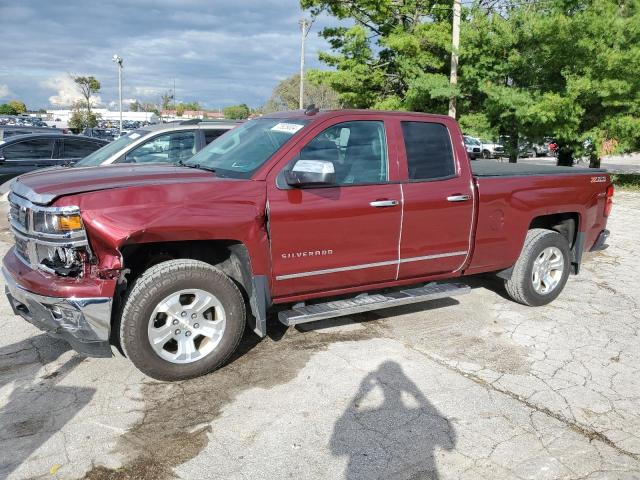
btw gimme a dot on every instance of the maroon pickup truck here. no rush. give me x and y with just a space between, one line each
310 214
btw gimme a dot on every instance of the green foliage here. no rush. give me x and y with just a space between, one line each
82 118
18 106
477 125
286 95
237 112
627 181
567 69
396 55
182 107
6 109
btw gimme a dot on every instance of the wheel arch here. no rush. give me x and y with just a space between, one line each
565 223
232 257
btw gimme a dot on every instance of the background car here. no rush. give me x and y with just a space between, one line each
163 143
7 131
24 153
108 134
491 149
473 146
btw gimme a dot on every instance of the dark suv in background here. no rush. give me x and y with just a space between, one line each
23 153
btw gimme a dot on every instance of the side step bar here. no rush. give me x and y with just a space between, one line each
301 313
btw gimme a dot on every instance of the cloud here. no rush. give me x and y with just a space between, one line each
126 103
147 91
4 90
218 53
67 92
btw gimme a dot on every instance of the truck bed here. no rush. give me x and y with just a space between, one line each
492 168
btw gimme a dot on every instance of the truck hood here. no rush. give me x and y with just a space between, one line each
43 187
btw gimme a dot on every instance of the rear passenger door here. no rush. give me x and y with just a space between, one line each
438 198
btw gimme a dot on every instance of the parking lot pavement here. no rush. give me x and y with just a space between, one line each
476 387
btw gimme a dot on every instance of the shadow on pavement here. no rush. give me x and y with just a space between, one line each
395 436
37 407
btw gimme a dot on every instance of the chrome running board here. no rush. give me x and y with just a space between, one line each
301 313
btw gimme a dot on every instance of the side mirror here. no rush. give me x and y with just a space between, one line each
311 172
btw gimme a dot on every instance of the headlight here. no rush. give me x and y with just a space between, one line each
50 222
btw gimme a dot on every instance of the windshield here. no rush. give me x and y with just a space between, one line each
246 148
104 153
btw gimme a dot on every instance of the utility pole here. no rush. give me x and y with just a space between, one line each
304 25
455 45
118 60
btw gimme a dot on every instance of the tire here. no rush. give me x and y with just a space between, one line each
169 287
522 286
486 154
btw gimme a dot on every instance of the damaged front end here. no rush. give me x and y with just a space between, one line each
48 276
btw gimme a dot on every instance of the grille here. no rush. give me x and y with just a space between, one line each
22 248
19 215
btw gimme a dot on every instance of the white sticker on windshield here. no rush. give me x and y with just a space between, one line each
134 135
287 127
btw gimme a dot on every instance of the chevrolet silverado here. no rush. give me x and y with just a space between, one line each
306 214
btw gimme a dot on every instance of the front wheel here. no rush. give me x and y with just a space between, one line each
182 319
542 270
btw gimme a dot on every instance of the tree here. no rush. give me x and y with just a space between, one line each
518 70
18 106
395 56
237 112
527 69
286 95
88 86
6 109
82 118
166 100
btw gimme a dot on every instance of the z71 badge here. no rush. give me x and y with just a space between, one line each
598 179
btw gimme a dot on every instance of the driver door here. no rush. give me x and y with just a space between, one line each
325 238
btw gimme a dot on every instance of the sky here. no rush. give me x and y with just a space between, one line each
219 52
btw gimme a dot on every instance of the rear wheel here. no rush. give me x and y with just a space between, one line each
542 270
182 319
486 154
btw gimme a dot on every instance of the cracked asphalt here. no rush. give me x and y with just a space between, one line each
473 387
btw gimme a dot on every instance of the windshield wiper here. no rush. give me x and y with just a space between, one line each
197 166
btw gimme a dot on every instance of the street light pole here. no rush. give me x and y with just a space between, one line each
118 60
304 25
455 45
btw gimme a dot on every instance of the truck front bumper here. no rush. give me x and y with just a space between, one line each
83 322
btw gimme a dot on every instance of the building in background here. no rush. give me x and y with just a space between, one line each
62 116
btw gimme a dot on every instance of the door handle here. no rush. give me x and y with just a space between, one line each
458 198
384 203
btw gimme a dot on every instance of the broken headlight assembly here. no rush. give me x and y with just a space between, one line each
50 238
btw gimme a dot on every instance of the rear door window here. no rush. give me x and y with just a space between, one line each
29 149
429 150
76 148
